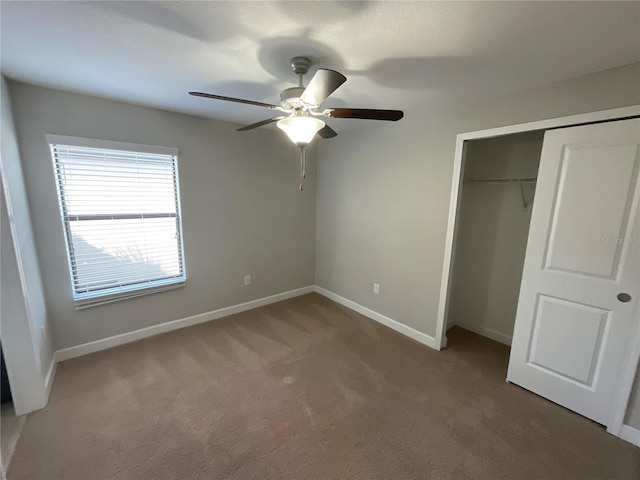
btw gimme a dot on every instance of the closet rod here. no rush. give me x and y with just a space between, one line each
501 180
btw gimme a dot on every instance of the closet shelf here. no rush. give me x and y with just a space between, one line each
501 180
521 181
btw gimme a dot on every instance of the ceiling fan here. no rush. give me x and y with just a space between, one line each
300 107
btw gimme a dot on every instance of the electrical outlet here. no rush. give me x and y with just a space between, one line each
376 288
247 280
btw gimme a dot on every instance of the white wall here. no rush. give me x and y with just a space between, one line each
242 211
492 234
25 330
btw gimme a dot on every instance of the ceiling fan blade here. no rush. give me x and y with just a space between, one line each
258 124
231 99
323 84
327 132
365 113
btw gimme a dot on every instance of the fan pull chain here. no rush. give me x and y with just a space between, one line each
304 164
303 171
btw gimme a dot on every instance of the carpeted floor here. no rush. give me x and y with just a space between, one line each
306 389
10 429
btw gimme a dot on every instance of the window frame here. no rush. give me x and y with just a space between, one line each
105 295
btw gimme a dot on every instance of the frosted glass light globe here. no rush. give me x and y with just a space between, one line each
300 130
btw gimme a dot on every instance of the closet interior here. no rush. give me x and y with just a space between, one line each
498 188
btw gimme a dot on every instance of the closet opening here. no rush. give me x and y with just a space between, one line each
585 189
496 199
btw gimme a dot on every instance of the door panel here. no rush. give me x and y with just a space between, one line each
571 331
556 324
580 215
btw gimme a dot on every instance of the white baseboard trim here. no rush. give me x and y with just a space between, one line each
630 434
51 374
485 332
116 340
423 338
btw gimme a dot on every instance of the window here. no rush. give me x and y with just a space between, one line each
120 209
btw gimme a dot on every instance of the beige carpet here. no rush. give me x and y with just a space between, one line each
306 389
10 429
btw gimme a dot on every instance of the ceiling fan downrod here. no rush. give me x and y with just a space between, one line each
300 66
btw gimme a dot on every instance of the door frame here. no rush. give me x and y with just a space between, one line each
619 404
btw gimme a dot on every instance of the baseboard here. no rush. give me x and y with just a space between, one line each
630 434
485 332
423 338
116 340
48 379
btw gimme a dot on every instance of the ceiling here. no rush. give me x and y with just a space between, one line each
395 54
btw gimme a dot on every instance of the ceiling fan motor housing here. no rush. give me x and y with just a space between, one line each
290 98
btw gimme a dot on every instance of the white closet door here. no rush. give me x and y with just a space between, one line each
581 279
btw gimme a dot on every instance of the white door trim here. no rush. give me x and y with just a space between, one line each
620 403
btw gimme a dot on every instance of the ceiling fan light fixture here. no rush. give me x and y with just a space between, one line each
300 130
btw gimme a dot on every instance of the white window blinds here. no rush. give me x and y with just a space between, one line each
121 215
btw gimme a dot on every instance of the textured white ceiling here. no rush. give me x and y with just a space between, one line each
395 54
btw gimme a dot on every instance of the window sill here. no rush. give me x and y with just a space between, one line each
84 303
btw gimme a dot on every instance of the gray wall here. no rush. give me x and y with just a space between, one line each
492 234
383 191
242 211
28 349
382 201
